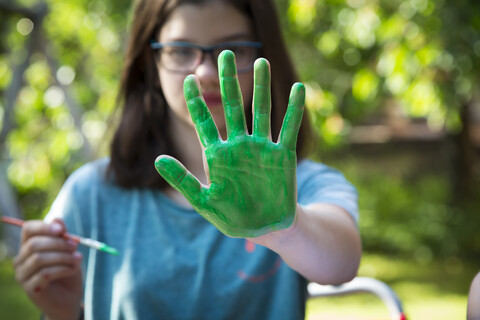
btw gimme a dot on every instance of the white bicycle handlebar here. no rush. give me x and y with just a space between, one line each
365 285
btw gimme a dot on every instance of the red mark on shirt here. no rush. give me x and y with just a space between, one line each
249 246
260 277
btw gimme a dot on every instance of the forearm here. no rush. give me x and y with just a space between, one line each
323 244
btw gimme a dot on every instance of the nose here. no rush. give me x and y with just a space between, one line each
207 69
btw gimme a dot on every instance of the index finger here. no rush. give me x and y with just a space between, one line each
38 227
201 117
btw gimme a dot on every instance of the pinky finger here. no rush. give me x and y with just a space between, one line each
293 117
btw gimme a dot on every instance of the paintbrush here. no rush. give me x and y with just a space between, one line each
94 244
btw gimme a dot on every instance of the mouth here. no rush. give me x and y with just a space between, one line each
213 100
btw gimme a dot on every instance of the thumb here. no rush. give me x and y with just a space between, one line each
179 178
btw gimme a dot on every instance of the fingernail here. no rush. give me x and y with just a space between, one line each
55 228
77 256
72 245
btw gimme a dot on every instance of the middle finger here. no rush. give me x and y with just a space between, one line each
37 261
231 95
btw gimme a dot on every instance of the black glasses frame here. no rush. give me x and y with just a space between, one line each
207 49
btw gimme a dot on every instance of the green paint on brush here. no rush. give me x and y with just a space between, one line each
252 187
97 245
108 249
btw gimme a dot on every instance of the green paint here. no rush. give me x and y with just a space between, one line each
109 249
252 187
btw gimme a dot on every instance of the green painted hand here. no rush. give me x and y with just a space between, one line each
252 188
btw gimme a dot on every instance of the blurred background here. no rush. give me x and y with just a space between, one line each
393 92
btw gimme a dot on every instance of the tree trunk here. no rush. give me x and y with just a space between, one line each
10 207
464 158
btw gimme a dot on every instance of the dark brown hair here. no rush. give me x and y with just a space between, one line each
142 133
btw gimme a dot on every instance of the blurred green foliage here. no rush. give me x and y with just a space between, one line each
14 303
409 214
355 56
85 38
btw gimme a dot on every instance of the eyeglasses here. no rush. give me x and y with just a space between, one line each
185 57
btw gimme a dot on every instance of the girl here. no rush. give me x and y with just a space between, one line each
280 222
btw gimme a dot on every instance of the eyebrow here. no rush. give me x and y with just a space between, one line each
222 39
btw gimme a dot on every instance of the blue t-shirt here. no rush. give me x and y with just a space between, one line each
173 264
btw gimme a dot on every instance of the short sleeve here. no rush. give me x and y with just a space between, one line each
66 207
319 183
75 202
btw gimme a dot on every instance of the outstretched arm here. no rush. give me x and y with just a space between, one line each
323 244
252 191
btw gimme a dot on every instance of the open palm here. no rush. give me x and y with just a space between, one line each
252 188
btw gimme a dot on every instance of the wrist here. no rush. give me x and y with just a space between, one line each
279 239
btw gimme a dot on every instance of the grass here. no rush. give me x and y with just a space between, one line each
14 304
428 290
